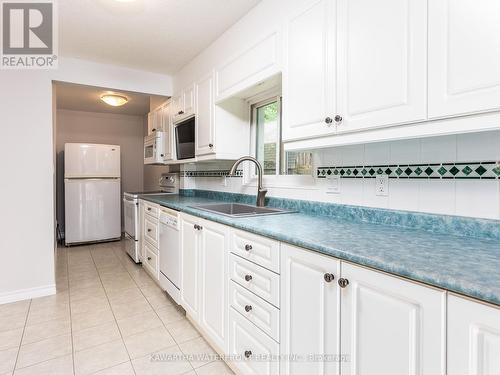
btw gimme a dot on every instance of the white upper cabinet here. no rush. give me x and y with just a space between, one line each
309 71
464 57
382 62
183 105
310 311
473 338
248 67
391 326
166 126
205 125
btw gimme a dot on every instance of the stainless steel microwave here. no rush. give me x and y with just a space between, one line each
184 138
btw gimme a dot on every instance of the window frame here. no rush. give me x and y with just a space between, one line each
278 180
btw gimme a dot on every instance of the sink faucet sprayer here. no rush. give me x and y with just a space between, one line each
261 192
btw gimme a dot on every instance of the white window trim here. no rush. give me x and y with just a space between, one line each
303 182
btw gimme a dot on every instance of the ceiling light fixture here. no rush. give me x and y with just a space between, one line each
114 100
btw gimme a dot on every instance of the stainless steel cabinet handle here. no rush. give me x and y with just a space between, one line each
248 353
343 283
248 277
338 119
329 277
248 308
248 247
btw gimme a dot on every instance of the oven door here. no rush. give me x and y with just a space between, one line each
130 209
132 248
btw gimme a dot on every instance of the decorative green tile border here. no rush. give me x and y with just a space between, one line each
212 173
473 170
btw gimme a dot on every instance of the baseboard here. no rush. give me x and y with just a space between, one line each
22 294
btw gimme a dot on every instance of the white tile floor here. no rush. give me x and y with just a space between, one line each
108 317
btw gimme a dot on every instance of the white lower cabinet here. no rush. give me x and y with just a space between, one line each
204 247
323 316
391 326
473 338
190 265
213 310
254 353
309 311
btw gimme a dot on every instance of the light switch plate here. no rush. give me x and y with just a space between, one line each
333 184
382 185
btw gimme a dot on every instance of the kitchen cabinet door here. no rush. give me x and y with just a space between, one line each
205 126
473 338
142 250
310 310
167 128
190 265
152 122
391 326
177 107
309 72
213 288
464 57
382 63
189 100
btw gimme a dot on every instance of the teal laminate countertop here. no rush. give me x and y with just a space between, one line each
463 264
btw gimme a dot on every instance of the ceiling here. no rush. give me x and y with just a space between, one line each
88 99
153 35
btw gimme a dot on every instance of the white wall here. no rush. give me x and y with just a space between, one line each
104 128
473 198
27 165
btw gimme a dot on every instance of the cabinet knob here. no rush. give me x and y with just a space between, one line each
200 227
328 120
149 230
329 277
162 155
196 226
338 119
153 130
248 308
149 258
248 353
210 145
343 282
248 277
180 112
248 247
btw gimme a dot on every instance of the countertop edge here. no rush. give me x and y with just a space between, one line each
335 253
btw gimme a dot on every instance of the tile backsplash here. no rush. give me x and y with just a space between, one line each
477 197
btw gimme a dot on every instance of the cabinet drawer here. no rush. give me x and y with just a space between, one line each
257 249
261 281
151 230
255 348
151 261
151 209
261 313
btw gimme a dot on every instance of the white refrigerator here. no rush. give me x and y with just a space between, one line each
91 193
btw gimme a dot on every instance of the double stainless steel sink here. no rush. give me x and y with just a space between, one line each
240 210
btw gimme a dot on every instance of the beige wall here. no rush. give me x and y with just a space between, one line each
123 130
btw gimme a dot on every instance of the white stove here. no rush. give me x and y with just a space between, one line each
169 184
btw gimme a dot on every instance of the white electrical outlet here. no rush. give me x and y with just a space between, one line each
333 185
382 185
